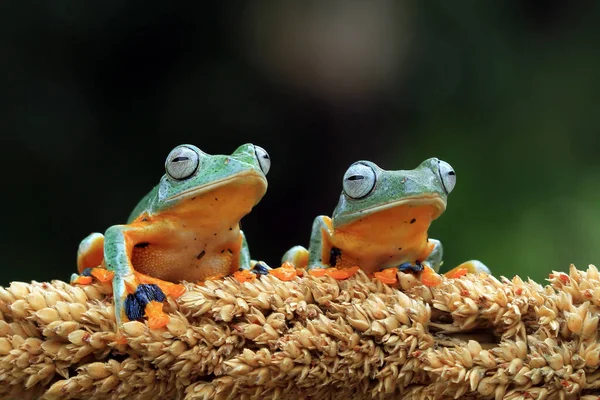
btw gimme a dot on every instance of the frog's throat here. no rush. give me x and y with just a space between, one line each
433 200
216 184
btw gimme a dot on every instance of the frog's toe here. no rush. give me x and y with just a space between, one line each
468 267
429 277
84 278
286 272
157 318
335 273
388 276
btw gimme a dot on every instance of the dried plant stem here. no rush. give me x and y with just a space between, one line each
317 338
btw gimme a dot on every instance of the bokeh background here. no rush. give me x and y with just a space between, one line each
95 94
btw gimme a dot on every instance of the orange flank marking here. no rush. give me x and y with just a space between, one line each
83 280
286 272
102 274
388 275
156 316
456 273
430 278
244 276
335 273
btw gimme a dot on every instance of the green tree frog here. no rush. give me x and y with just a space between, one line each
381 221
186 228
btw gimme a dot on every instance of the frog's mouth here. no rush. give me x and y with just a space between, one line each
434 201
244 177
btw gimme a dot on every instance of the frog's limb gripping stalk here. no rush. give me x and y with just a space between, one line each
117 256
434 259
245 261
320 247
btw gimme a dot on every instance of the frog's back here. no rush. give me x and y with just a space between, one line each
143 205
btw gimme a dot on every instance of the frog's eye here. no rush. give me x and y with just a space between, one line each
263 159
182 162
448 175
359 180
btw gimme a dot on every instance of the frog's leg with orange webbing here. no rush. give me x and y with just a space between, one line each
135 294
319 246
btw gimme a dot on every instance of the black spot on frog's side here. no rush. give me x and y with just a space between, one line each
142 245
200 255
334 256
412 221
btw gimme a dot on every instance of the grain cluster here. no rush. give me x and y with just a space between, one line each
317 338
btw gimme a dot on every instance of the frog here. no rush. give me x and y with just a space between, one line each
381 222
187 228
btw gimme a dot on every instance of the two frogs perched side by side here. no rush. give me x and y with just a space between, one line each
187 228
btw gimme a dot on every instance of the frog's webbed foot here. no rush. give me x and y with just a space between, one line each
147 301
468 267
258 268
143 296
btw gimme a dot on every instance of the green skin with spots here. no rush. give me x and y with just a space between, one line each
391 188
213 171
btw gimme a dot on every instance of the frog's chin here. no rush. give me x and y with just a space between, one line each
243 178
434 201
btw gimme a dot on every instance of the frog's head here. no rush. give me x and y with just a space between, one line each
369 189
199 180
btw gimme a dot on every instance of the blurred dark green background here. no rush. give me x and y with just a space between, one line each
96 93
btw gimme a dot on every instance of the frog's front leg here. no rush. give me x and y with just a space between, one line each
246 263
317 255
135 295
434 259
319 249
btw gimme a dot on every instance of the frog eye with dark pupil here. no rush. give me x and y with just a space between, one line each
182 162
447 175
359 180
263 159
